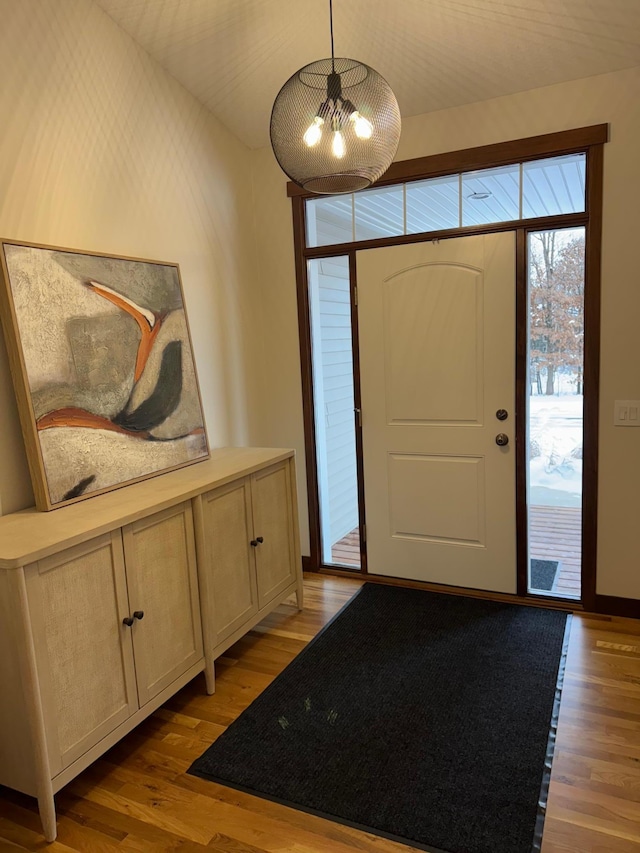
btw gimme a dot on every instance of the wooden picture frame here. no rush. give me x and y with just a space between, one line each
103 369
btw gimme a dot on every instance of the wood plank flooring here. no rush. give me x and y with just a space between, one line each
137 797
346 552
554 534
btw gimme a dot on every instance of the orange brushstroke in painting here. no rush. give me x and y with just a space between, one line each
70 416
148 332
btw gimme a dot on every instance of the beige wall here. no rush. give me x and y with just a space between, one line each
612 98
283 425
101 150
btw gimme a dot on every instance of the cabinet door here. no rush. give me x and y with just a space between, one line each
228 566
273 523
163 586
77 601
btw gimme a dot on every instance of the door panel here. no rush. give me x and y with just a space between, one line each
230 591
433 344
271 491
163 585
78 599
440 498
437 360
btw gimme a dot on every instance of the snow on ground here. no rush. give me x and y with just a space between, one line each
555 450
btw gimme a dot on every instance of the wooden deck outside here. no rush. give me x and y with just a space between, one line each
554 534
346 552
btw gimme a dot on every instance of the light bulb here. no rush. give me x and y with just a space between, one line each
313 132
338 144
362 125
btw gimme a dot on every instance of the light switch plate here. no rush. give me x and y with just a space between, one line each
626 413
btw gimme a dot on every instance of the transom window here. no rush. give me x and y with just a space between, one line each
546 187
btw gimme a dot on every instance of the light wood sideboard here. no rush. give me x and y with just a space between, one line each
111 605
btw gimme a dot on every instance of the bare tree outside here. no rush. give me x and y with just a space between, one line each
556 289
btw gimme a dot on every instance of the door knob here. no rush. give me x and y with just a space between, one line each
502 440
128 621
138 614
502 414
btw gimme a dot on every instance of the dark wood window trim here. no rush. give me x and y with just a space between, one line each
593 242
569 220
587 139
522 342
591 403
485 157
357 401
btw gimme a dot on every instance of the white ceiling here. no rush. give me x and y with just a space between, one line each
234 55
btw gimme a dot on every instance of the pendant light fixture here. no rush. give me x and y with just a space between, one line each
335 125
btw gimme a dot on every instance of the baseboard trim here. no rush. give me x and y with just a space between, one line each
613 605
550 603
609 605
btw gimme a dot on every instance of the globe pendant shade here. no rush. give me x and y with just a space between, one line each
335 126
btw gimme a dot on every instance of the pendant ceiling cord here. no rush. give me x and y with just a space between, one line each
328 143
333 65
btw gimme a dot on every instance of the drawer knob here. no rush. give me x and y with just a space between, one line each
128 621
138 614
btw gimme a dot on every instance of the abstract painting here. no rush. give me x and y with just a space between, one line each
103 369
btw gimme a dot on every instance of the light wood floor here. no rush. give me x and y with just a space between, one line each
554 534
138 797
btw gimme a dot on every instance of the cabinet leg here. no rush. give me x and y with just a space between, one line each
210 678
47 809
300 598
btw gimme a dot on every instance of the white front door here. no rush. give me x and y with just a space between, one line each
437 361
